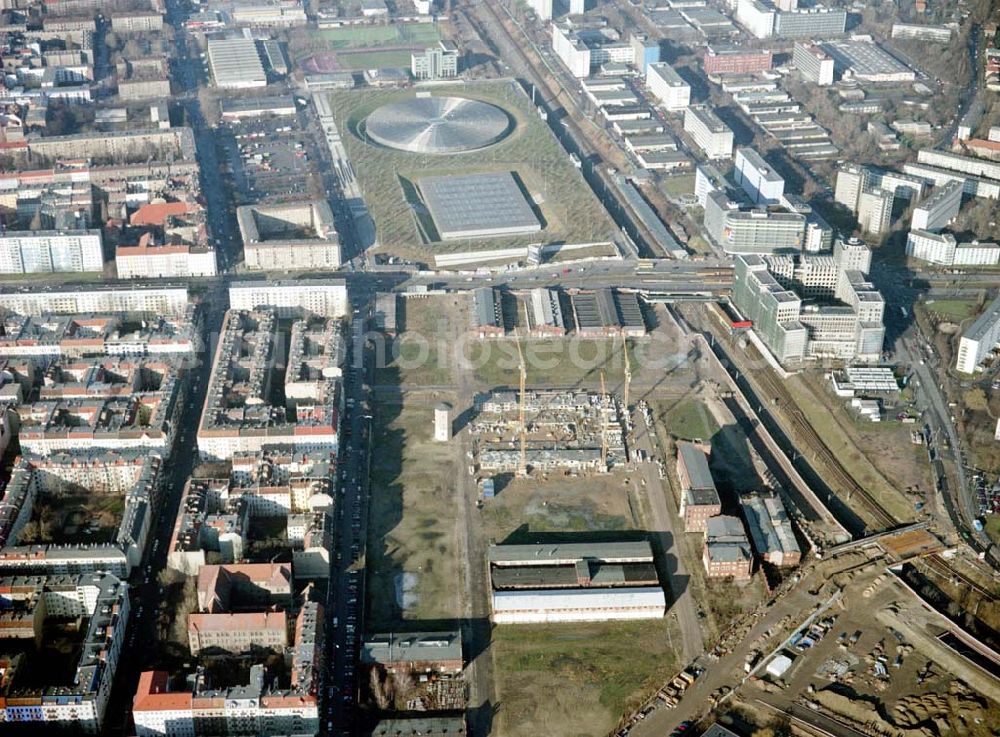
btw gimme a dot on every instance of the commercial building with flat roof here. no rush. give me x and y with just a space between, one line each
736 60
759 230
875 211
939 208
979 339
258 107
813 62
922 32
477 205
866 61
818 22
777 294
668 86
713 136
435 62
757 17
758 178
235 63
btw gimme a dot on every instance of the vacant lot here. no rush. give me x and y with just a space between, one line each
412 563
688 419
422 355
562 362
595 504
562 680
952 310
589 672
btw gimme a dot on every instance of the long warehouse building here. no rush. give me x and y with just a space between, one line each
592 582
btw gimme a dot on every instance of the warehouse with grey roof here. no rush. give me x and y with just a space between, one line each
235 63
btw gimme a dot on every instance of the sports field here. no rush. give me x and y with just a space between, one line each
378 59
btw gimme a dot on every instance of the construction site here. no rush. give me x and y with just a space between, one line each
571 431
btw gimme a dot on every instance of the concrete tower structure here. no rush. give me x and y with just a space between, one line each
442 422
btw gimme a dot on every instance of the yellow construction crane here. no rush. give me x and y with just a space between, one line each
522 466
604 426
628 372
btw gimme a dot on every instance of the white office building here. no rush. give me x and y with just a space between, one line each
757 17
436 62
326 298
764 185
713 136
813 63
44 251
875 211
542 8
943 250
979 339
668 86
574 53
938 209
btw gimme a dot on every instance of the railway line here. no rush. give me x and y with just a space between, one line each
771 389
803 430
936 564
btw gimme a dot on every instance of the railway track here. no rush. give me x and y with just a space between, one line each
803 430
770 389
940 567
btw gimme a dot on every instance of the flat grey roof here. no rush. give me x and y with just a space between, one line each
547 554
478 205
757 162
275 103
594 309
396 647
557 576
235 62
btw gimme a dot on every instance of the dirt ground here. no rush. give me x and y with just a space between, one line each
412 563
918 691
526 506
